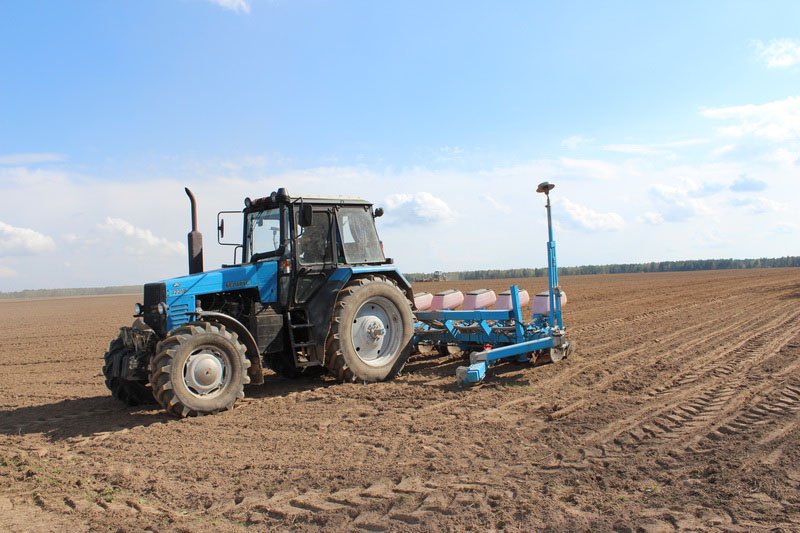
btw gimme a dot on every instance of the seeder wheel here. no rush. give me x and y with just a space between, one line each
554 355
448 349
424 348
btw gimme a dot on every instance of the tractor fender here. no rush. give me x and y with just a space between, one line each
231 324
346 273
402 282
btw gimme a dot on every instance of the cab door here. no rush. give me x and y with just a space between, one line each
314 257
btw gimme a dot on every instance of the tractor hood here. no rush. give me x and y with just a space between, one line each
179 294
258 275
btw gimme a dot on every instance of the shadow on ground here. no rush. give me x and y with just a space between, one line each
84 417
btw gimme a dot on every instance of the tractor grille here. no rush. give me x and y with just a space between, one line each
178 314
154 294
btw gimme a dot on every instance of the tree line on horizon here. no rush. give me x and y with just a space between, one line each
622 268
80 291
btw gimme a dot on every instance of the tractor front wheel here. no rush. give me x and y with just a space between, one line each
199 368
370 337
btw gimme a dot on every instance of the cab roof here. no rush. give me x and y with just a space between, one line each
276 197
331 200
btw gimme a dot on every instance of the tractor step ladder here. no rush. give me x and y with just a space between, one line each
304 352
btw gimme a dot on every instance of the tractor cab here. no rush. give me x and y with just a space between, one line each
325 230
309 237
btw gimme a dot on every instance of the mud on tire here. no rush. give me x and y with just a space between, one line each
129 392
371 330
199 368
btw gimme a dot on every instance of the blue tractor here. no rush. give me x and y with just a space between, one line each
312 291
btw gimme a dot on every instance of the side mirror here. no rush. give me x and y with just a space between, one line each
306 215
236 219
378 212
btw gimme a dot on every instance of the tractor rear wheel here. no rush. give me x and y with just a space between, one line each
129 392
370 337
199 368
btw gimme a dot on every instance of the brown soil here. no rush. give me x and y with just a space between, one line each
680 409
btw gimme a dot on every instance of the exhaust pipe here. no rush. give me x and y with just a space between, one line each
195 239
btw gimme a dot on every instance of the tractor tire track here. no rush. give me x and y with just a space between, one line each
663 343
699 410
723 337
781 401
383 504
730 374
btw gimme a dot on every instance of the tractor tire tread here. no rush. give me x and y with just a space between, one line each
335 360
167 350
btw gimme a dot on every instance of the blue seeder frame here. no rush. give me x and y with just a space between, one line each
501 334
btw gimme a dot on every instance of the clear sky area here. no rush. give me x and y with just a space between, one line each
671 129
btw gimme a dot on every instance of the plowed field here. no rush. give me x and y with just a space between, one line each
680 409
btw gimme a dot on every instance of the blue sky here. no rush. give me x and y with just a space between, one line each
671 129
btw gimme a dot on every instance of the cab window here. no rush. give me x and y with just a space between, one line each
314 241
358 235
264 231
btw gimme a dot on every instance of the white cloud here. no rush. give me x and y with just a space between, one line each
779 53
786 228
450 152
242 6
652 217
24 241
784 156
497 205
685 142
766 205
653 148
145 241
723 150
638 149
707 238
591 168
417 209
745 184
682 202
759 204
6 272
574 142
706 189
30 159
777 121
590 219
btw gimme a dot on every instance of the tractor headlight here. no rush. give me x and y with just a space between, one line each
162 308
137 309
